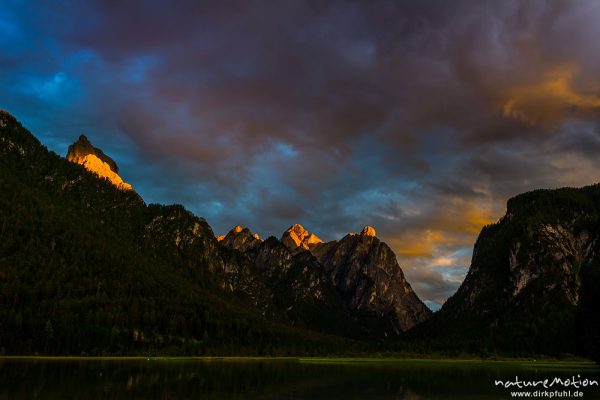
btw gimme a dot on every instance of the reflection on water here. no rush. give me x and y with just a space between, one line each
267 379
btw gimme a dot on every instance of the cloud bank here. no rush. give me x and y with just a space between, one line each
419 118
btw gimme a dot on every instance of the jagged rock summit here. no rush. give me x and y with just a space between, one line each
241 239
93 159
369 231
359 270
298 238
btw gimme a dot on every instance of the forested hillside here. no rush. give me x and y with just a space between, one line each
86 268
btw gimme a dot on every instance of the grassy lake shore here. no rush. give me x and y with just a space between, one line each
522 362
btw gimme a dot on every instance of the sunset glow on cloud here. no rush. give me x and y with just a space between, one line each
418 120
550 100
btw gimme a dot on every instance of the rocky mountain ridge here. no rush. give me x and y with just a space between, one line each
132 277
361 274
361 270
296 238
378 302
88 268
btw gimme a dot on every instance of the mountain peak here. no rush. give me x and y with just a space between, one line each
297 237
368 231
297 229
93 159
241 239
358 258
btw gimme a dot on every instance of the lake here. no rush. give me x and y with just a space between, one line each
240 378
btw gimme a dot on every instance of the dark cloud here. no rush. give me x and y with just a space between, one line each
420 118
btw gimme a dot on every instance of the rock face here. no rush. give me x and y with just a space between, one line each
177 234
366 273
300 291
93 159
241 239
524 286
369 231
296 238
356 281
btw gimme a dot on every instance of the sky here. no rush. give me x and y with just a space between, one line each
418 118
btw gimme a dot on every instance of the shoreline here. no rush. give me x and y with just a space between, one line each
322 360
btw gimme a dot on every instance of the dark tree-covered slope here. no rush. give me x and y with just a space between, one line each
86 268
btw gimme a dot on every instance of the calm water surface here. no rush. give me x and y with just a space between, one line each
274 379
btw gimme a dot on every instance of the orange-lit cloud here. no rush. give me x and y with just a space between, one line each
455 223
420 245
442 261
550 100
